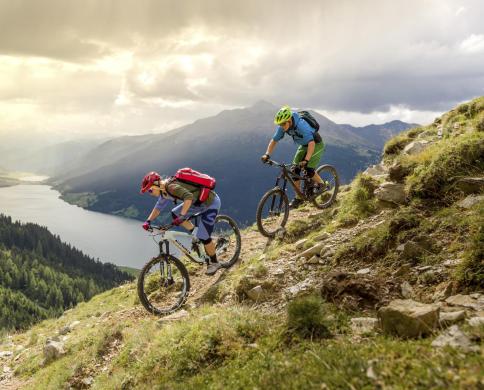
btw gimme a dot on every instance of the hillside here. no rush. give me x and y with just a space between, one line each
383 290
40 276
228 146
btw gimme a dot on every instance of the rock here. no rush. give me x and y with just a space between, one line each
470 201
255 293
397 172
442 291
470 185
314 260
364 325
424 268
408 319
299 289
476 321
178 315
74 324
5 354
409 250
6 369
325 251
376 171
391 192
323 236
312 251
88 381
300 244
53 350
64 330
363 271
451 317
455 338
416 147
407 290
278 272
475 302
427 133
452 263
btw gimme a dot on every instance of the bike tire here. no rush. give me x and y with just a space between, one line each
142 293
238 240
279 195
332 172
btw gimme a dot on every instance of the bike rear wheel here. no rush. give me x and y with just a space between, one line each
228 243
331 180
163 285
272 212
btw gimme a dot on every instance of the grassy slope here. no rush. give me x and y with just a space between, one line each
240 346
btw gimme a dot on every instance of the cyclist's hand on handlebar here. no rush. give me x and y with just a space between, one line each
147 225
303 164
265 158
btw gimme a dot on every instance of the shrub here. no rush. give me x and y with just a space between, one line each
359 202
453 159
305 318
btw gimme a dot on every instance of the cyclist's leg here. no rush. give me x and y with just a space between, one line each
204 233
298 157
314 162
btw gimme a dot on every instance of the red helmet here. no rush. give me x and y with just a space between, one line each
148 181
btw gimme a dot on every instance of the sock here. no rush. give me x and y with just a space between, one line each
191 230
213 259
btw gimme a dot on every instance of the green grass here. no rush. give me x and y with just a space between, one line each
130 270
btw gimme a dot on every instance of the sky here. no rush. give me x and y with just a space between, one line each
107 68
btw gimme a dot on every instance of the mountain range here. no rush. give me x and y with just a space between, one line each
227 146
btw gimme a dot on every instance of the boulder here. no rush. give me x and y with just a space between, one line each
471 185
314 260
53 350
442 292
376 171
299 289
397 172
455 338
476 321
255 293
416 147
470 201
315 250
451 317
64 330
474 301
409 319
391 192
300 244
364 325
322 236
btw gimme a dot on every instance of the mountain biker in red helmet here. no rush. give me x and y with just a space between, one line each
310 148
169 190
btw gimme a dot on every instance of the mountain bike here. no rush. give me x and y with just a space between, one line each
164 283
273 209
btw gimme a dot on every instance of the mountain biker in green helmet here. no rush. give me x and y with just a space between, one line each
309 151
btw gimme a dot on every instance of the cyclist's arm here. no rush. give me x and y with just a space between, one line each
310 150
186 206
154 214
271 147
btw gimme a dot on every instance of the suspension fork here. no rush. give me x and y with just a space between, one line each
273 200
166 251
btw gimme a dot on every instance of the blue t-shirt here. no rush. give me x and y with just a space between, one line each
301 132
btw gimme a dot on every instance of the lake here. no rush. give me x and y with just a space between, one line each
108 238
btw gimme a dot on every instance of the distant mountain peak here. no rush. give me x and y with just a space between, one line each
263 105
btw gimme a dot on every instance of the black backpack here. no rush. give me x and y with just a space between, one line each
306 115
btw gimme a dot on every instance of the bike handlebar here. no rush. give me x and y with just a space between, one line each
171 225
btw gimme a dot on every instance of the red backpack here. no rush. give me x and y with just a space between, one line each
198 179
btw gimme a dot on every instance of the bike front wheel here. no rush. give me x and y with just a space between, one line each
163 285
228 243
331 185
272 212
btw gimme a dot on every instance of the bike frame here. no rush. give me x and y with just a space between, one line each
286 176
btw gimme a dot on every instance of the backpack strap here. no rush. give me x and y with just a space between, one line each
170 181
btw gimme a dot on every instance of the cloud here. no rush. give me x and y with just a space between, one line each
139 66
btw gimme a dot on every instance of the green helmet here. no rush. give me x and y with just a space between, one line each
283 115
